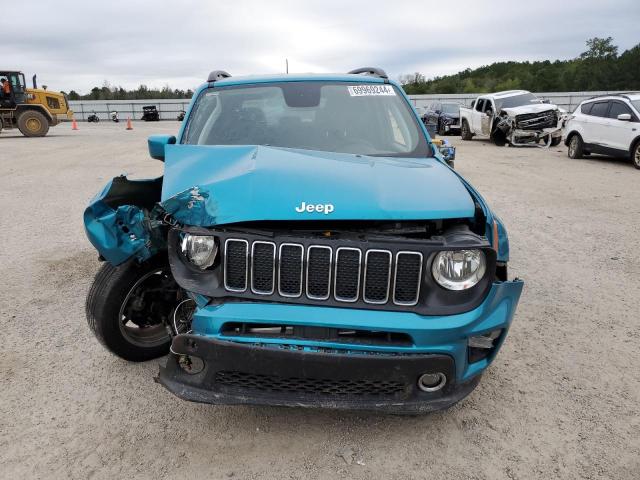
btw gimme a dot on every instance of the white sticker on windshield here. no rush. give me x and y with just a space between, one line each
370 90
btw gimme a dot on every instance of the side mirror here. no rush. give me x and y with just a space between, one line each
625 117
157 144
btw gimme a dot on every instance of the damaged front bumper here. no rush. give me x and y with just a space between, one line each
211 365
519 137
237 373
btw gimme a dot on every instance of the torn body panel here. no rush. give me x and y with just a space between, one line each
124 220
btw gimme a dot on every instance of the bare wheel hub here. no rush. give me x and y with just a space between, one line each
33 124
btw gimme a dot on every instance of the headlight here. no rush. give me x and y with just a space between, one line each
459 269
200 250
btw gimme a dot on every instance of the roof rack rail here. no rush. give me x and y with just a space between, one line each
370 71
620 94
218 75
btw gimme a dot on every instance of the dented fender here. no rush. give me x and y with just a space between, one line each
122 221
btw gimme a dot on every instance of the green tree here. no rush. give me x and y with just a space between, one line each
600 49
598 68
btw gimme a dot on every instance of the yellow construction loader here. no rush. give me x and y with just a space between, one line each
31 110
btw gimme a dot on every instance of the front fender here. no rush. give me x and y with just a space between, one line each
122 220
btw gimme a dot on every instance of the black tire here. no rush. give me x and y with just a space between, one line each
465 132
555 141
635 155
499 138
113 289
32 123
575 147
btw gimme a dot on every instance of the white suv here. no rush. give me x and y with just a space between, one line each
608 125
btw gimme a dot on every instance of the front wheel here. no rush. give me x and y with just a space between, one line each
33 124
635 155
129 307
575 147
555 141
465 131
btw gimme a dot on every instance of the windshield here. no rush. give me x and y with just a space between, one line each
367 119
517 101
452 108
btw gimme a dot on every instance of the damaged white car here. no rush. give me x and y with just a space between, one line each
516 117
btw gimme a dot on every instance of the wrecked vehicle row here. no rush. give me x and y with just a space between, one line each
514 117
307 245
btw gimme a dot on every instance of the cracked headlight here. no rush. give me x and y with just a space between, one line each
200 250
459 269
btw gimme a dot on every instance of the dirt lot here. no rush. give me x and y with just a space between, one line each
561 401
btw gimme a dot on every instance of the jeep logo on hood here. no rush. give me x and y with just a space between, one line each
325 208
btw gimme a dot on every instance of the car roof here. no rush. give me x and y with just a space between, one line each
613 96
300 77
508 93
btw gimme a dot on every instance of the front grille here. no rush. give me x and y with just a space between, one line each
263 267
318 272
407 281
290 274
537 121
377 268
309 386
235 266
322 272
347 278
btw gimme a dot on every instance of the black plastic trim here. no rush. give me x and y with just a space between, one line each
223 356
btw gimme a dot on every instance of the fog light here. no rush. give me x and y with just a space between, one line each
432 382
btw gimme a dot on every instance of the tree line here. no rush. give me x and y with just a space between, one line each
598 68
109 92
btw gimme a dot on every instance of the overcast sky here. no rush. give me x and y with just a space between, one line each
79 44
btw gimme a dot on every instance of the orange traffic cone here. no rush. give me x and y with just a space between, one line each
129 126
74 125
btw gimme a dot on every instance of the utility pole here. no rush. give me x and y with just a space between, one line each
286 62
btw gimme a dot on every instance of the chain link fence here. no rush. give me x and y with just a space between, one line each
168 109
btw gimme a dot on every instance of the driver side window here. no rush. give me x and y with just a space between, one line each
480 105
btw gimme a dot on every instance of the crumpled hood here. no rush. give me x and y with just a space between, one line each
533 108
210 185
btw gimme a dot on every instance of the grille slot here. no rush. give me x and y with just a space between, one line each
290 271
377 276
310 386
236 264
406 284
263 267
318 272
347 276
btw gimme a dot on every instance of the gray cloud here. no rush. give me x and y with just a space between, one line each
79 44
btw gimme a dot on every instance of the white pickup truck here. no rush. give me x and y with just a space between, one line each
516 117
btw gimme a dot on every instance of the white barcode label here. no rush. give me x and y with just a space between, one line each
370 90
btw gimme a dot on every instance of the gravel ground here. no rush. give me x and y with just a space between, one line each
560 401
